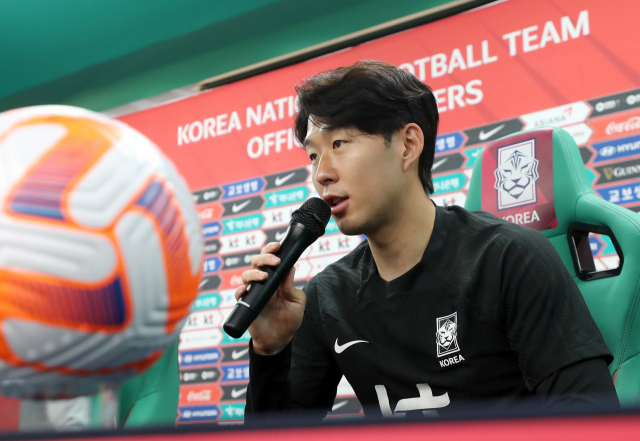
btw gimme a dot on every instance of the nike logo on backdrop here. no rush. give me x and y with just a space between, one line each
203 283
339 405
238 393
340 348
239 207
279 236
484 136
439 163
237 354
282 180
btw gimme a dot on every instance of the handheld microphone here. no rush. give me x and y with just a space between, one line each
306 226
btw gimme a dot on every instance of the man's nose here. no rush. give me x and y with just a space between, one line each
326 172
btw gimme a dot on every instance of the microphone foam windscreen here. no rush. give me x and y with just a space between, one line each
313 214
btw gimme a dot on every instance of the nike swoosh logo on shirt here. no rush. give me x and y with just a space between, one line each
439 163
282 180
340 348
484 136
238 393
237 354
339 405
239 207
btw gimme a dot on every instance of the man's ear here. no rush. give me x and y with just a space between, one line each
413 139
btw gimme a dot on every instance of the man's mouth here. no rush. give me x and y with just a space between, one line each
335 201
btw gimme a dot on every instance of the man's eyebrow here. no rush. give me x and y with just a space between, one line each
308 143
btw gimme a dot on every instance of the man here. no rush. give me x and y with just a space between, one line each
440 306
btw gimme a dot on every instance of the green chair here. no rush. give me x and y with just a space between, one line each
151 398
537 178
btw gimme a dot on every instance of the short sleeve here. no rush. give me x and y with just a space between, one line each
547 321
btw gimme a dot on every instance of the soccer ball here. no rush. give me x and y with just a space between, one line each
100 252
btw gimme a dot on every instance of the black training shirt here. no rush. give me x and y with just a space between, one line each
488 313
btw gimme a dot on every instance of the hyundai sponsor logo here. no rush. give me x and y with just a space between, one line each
199 357
618 148
211 229
199 413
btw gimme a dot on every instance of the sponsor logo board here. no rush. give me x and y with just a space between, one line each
211 229
336 243
211 246
490 132
581 133
206 301
226 340
203 319
211 265
286 178
199 357
617 102
448 183
209 283
620 171
239 206
234 354
558 116
278 217
207 195
585 153
234 243
618 148
627 123
621 194
275 234
197 394
199 339
234 392
449 142
242 223
239 260
231 412
242 188
285 197
209 212
446 163
234 373
472 154
205 375
199 414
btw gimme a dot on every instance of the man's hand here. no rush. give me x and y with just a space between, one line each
273 329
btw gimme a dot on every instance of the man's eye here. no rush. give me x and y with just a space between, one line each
313 156
337 143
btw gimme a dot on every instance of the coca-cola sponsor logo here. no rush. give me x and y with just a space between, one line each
199 396
615 127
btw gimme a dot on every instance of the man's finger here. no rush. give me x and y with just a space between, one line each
253 275
241 290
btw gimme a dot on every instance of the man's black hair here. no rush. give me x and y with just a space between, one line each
374 97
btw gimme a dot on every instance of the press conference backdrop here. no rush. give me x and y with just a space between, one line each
495 70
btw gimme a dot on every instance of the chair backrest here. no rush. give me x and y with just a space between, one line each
151 398
537 179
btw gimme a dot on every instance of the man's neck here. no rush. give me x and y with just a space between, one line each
399 246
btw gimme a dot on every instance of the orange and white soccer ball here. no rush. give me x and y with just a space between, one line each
100 252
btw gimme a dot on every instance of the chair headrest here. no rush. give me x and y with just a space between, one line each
532 178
